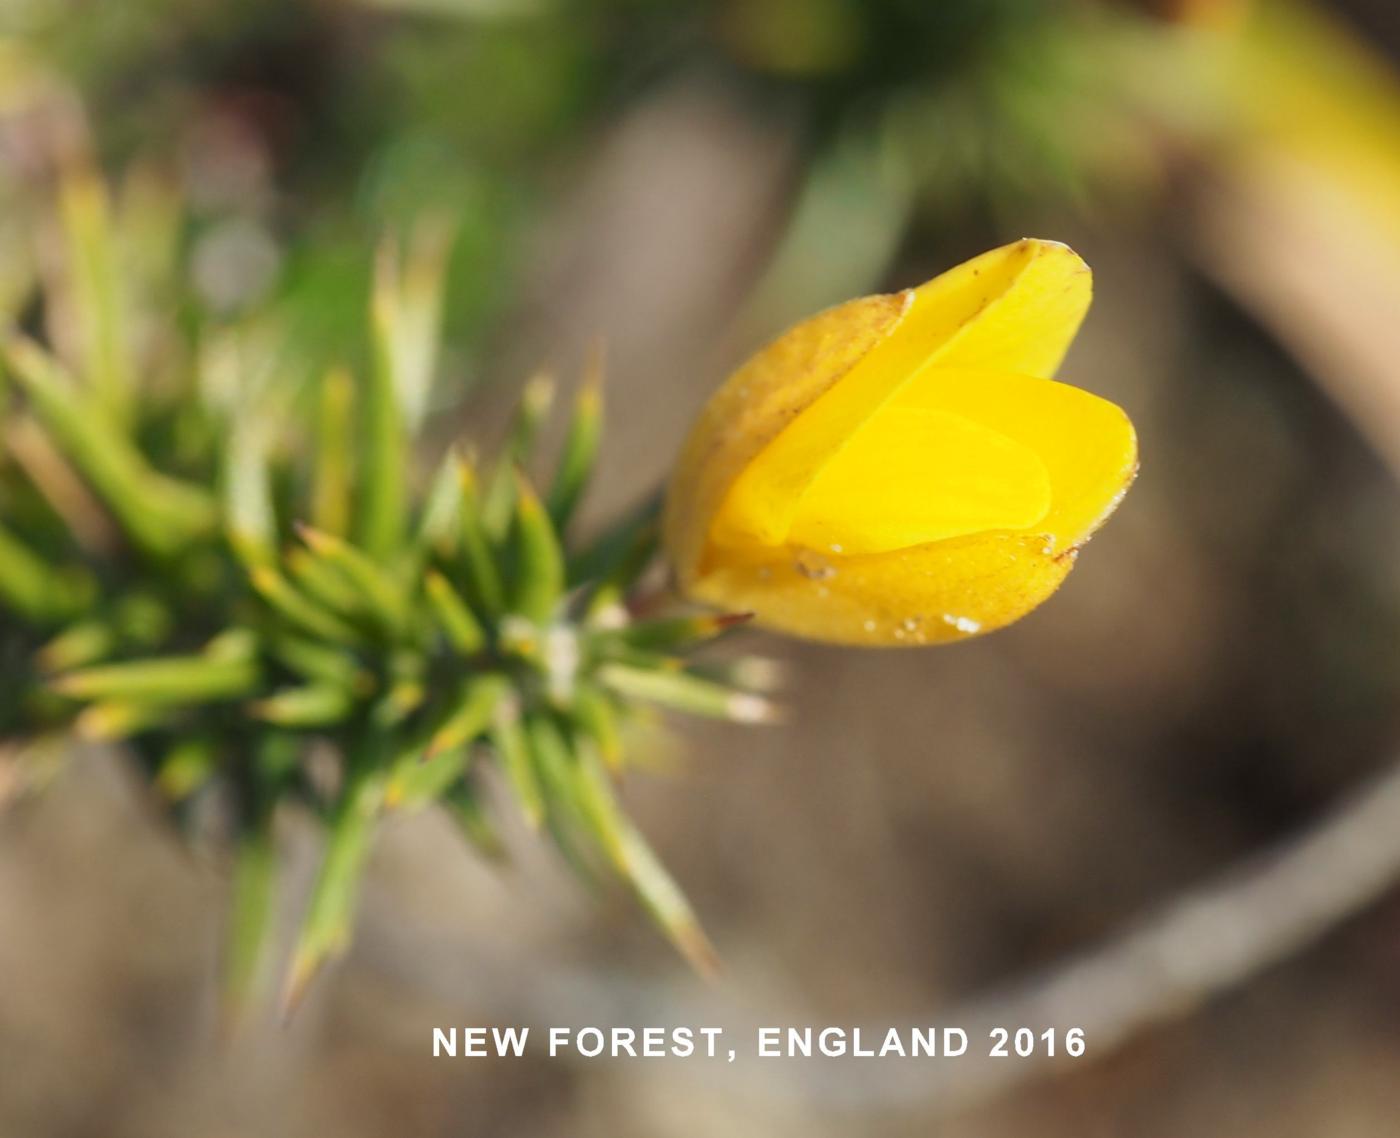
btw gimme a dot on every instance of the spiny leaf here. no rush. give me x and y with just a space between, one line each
508 739
186 766
300 611
31 586
634 859
534 405
470 713
683 692
322 663
116 719
313 705
249 915
480 573
403 698
580 451
405 317
420 775
746 673
539 558
77 645
50 473
324 583
553 760
594 712
159 513
172 679
331 481
237 643
614 651
95 289
383 597
415 324
670 634
325 928
250 518
463 630
136 620
440 524
413 784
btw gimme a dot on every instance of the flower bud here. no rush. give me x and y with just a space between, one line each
903 469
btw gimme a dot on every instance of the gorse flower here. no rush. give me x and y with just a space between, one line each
902 469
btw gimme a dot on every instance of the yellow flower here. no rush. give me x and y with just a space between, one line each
902 469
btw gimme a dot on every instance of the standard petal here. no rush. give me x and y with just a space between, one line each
914 475
1017 308
1087 444
1013 309
927 594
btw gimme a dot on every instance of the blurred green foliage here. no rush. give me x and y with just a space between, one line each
316 126
235 565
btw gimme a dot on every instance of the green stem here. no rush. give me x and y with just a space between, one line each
325 931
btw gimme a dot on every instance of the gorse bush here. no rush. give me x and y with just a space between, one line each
238 571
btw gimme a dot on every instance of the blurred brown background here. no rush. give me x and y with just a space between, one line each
685 179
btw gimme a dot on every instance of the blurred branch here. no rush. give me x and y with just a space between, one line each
1205 942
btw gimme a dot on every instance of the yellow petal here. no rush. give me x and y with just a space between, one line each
912 475
926 594
757 402
1014 309
902 470
1087 444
